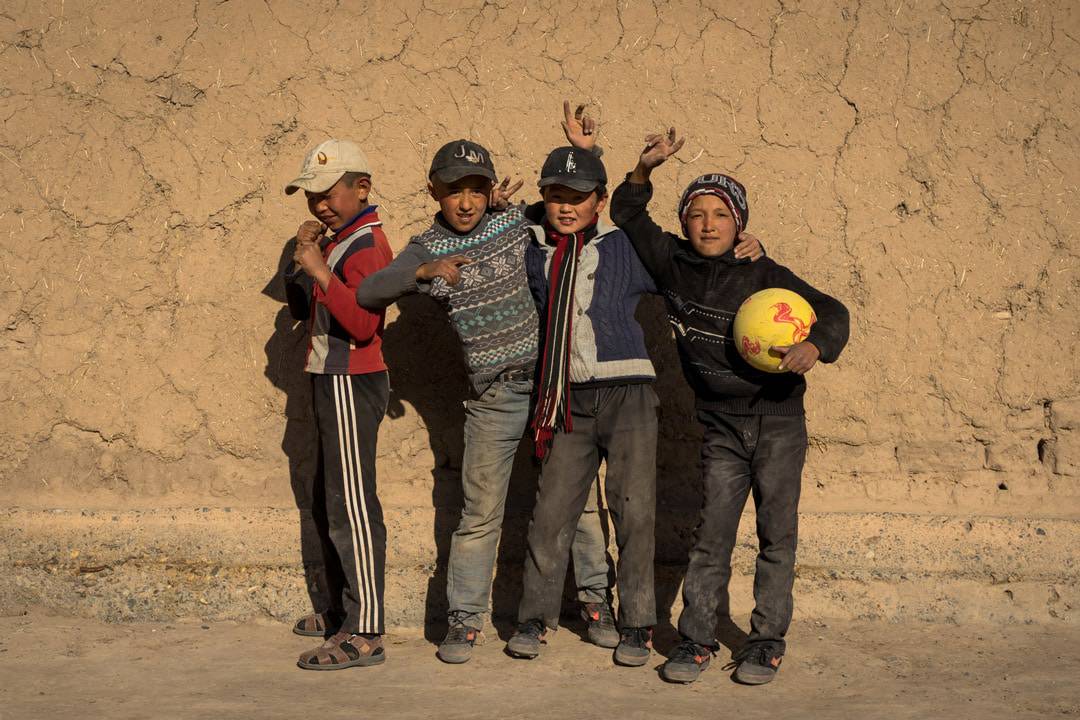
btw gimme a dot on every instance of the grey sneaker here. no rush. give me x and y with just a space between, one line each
457 646
635 646
601 621
687 661
526 641
758 665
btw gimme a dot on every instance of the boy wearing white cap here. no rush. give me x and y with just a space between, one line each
349 392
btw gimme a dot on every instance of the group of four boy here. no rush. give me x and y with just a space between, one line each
542 299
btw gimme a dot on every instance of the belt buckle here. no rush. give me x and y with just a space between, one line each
516 374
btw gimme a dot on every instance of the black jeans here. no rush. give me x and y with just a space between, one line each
740 454
617 424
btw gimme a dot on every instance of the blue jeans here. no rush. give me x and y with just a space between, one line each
494 425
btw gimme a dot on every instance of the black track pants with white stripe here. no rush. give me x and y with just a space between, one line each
348 410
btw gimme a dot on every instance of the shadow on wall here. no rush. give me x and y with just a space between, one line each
426 371
678 486
286 351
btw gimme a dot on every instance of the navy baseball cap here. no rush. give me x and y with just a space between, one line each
575 168
459 159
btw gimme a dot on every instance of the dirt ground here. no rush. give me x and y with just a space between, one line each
54 666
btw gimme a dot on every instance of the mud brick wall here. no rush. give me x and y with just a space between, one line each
916 159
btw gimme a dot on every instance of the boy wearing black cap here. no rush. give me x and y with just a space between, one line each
472 261
349 393
595 401
755 428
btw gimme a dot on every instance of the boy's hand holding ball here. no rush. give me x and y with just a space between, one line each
798 358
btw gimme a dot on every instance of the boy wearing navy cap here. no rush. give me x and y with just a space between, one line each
755 428
595 401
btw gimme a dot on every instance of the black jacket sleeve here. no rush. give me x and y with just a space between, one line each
829 333
629 210
298 289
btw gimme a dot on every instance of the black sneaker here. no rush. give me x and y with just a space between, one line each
635 646
527 639
686 662
601 621
758 664
457 646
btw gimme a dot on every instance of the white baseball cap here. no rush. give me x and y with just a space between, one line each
325 165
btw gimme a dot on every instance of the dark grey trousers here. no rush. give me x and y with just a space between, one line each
348 410
743 453
617 424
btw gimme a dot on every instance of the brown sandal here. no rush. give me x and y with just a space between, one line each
344 650
311 626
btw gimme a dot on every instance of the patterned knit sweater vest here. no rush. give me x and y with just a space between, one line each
491 308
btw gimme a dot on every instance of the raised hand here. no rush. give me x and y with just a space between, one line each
580 129
309 257
660 147
501 193
310 231
445 268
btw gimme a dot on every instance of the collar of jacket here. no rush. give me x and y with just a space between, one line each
685 251
603 228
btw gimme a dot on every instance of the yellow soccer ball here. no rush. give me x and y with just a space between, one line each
770 318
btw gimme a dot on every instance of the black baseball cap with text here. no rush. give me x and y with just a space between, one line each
459 159
575 168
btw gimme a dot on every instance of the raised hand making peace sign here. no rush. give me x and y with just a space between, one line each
580 129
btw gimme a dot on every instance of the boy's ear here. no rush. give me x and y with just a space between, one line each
601 204
363 187
431 191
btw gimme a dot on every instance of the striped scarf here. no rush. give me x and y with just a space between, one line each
553 388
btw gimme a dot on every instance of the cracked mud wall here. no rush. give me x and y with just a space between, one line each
918 160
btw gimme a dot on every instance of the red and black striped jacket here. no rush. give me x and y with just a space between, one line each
346 339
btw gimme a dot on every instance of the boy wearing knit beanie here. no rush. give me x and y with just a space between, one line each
755 430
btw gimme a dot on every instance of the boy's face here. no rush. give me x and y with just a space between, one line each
463 202
710 226
569 210
341 203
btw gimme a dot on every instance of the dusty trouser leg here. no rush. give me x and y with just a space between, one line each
565 479
349 409
322 567
777 469
626 430
494 424
593 573
726 480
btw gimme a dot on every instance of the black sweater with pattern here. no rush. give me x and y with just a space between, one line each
703 295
